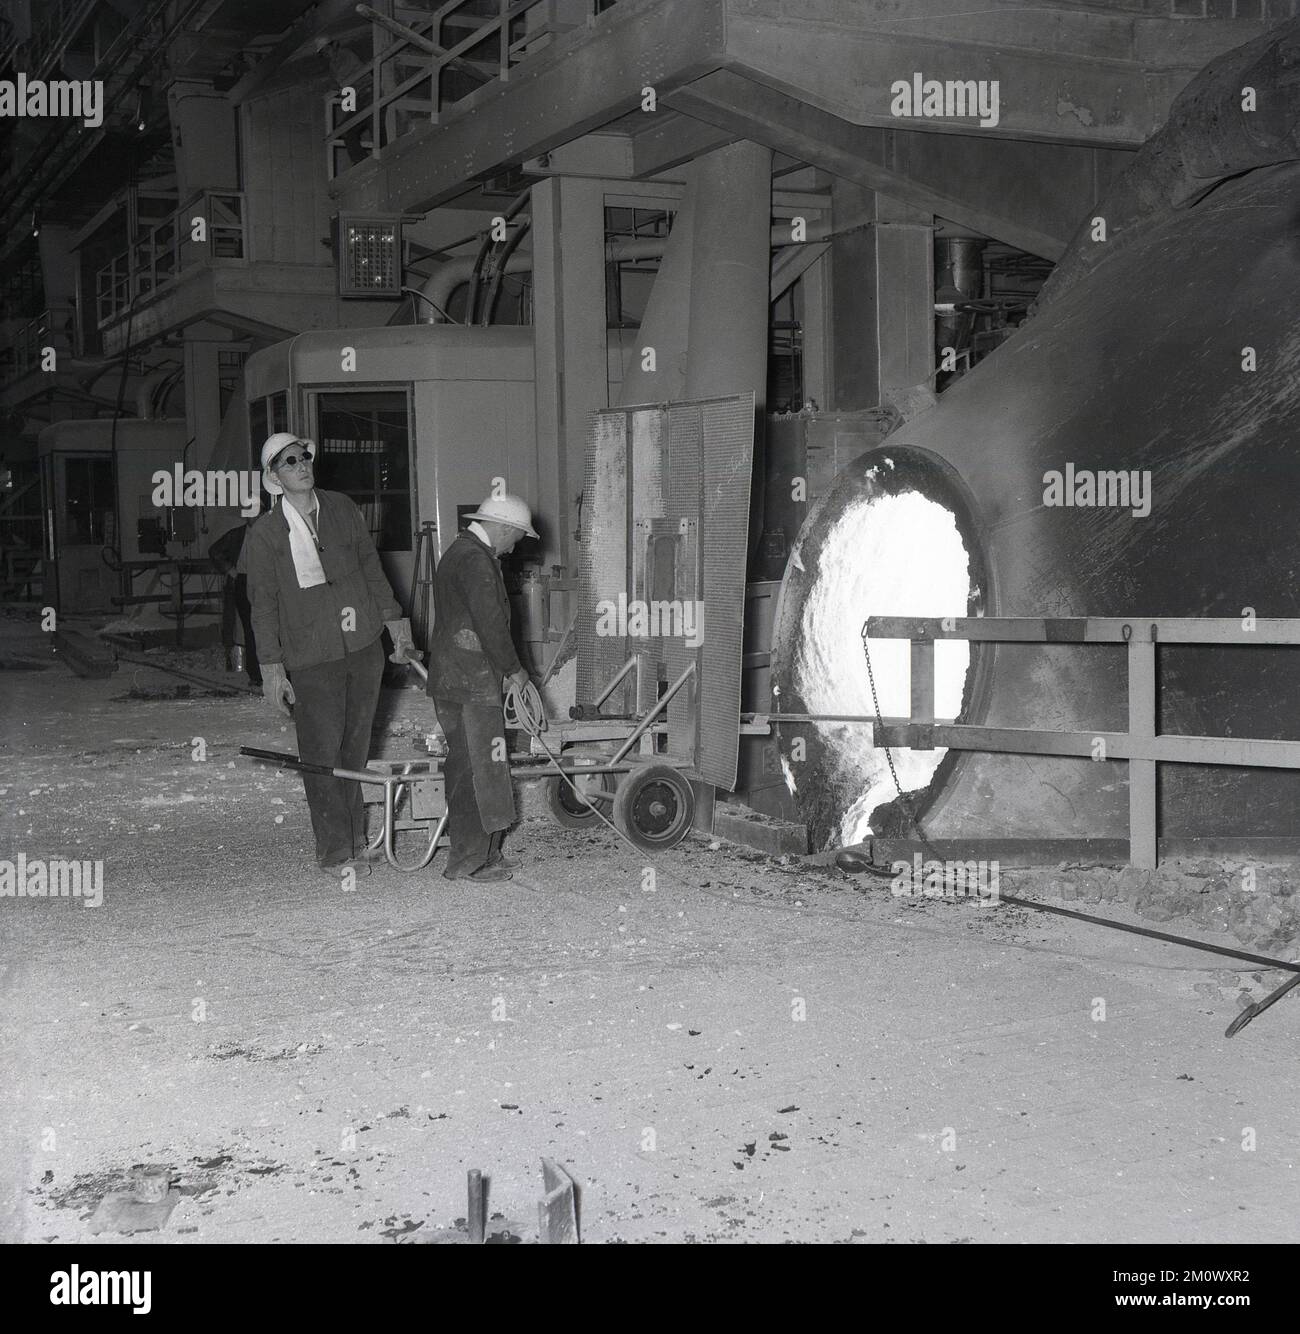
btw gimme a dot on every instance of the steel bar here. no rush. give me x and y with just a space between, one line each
1260 959
541 769
1246 752
390 833
1260 1006
613 685
1262 753
476 1214
1142 812
645 722
922 680
1266 631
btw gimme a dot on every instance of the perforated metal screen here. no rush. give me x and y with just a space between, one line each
369 256
665 523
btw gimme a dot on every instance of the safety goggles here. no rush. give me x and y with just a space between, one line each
292 460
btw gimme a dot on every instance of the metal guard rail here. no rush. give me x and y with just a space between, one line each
164 250
518 29
1142 746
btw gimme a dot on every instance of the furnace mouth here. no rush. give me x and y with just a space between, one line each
894 537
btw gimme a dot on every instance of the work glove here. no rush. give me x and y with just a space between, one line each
519 679
404 649
277 689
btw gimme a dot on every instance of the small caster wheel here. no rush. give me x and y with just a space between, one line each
568 809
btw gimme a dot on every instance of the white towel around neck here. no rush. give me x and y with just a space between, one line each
302 547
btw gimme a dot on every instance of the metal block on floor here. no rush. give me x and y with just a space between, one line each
765 833
86 656
557 1210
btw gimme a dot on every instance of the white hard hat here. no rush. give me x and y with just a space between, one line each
508 510
277 444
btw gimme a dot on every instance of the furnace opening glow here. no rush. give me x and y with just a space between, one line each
887 555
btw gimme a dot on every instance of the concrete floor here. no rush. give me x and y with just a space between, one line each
317 1065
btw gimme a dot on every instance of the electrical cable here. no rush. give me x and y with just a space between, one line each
415 291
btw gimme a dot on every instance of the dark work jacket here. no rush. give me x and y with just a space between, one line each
472 648
303 627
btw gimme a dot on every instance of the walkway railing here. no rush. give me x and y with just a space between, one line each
405 86
26 349
166 249
1142 745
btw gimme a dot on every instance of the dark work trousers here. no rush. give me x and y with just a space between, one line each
480 797
234 602
334 710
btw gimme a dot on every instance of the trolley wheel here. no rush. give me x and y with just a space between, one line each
566 808
654 806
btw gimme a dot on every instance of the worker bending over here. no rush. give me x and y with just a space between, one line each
320 603
471 657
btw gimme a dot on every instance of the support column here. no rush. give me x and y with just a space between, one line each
665 326
882 320
732 231
570 348
202 397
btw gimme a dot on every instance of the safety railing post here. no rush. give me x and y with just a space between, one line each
922 686
1142 773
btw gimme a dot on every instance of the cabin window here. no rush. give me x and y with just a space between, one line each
363 443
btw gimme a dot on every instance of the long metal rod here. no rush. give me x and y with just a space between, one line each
542 769
1243 752
613 685
1153 934
1260 1006
1264 631
645 722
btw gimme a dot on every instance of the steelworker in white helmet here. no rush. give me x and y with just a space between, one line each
321 602
471 658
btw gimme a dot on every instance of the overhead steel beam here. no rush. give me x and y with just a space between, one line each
1029 195
669 139
1064 76
1067 77
584 80
305 27
608 156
